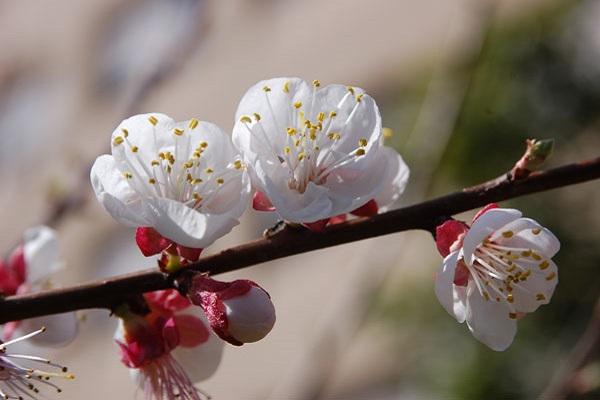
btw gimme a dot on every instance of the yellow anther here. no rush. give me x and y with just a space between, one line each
387 133
507 234
203 145
334 136
360 152
189 164
512 315
286 87
245 119
256 116
193 123
536 231
220 181
189 177
162 156
317 148
297 142
359 97
135 149
287 150
125 132
291 131
313 133
540 297
544 265
196 196
332 114
196 154
526 253
536 256
551 276
321 116
237 164
154 163
209 170
118 140
307 124
178 131
362 142
510 298
152 181
297 104
301 156
350 89
153 120
196 181
266 89
316 83
127 175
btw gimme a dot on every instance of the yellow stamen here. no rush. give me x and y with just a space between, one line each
153 120
286 87
193 123
178 131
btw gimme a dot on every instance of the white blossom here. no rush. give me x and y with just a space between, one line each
184 179
30 268
502 270
315 152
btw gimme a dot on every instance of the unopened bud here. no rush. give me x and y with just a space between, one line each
238 312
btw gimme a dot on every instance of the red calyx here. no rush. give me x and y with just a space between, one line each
448 233
260 202
151 242
485 209
368 209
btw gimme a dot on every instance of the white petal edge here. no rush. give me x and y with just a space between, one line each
395 181
544 242
445 291
114 193
488 321
41 252
184 225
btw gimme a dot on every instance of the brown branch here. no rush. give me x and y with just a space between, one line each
426 215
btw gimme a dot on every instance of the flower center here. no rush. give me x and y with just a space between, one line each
310 147
177 172
497 270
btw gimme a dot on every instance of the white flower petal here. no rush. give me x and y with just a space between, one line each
451 299
395 180
184 225
61 329
489 321
484 226
539 286
115 194
41 252
528 234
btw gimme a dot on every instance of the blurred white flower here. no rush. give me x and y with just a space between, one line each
496 272
314 152
183 179
19 377
30 268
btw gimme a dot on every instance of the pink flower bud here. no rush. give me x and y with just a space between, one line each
238 312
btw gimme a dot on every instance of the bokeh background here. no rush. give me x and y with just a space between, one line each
461 82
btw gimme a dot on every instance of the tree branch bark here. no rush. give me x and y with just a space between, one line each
109 293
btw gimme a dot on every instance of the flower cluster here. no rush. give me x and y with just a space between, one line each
495 272
29 268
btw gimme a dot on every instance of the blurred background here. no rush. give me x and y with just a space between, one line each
461 82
